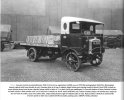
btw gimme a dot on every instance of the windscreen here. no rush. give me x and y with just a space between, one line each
91 29
86 28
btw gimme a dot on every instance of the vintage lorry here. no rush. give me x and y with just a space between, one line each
76 43
6 37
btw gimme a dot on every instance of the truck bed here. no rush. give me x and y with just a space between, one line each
42 41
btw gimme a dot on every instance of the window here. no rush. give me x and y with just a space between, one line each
65 26
87 29
75 27
91 28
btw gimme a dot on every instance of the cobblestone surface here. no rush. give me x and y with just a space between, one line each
16 67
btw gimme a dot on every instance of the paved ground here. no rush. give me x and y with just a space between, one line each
15 67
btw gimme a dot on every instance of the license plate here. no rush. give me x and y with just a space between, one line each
96 43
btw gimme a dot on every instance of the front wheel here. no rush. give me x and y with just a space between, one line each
73 62
96 59
32 54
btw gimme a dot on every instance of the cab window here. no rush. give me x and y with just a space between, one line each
75 27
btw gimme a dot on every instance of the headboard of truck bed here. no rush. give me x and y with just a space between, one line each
53 30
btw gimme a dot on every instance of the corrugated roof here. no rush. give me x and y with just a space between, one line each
72 19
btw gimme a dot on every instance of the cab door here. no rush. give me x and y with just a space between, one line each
71 37
71 41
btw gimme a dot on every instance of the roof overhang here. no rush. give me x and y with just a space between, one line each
76 19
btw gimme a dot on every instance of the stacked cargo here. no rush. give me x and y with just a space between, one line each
44 40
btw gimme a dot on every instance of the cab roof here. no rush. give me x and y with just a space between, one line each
76 19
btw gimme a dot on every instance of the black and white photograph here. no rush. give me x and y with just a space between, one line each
61 41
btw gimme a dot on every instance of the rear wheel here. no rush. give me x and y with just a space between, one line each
32 54
73 62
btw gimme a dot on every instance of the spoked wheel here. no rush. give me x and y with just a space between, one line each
96 60
32 54
72 61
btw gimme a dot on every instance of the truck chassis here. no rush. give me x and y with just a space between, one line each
71 58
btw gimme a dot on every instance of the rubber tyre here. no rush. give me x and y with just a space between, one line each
96 60
73 62
32 54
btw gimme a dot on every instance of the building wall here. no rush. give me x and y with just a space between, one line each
32 17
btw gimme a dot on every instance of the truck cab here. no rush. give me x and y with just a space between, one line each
78 36
80 32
